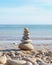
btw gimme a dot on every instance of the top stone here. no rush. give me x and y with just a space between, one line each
26 30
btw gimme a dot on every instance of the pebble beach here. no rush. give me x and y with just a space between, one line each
12 53
25 53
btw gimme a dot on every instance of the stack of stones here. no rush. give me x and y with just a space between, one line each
26 42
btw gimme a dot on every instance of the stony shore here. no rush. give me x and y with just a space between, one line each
25 53
41 55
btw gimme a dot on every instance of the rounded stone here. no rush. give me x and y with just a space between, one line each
26 41
26 30
3 59
40 61
33 61
26 34
28 63
26 46
25 38
16 62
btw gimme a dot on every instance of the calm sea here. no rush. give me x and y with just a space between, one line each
14 33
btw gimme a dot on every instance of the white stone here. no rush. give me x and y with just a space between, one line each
3 59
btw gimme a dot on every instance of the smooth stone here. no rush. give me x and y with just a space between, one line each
26 37
8 57
40 61
26 46
26 34
16 62
30 60
12 55
28 63
46 59
19 53
26 30
3 59
26 41
44 50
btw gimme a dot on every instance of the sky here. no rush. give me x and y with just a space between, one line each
25 11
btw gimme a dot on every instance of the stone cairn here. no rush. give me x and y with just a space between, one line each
26 42
26 38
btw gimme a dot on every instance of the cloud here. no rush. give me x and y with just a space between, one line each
20 11
25 10
47 1
27 14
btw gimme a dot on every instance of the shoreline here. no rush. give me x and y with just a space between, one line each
14 45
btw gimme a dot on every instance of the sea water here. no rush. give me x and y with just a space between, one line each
14 33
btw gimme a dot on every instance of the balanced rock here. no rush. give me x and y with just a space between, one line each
26 30
26 41
26 46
